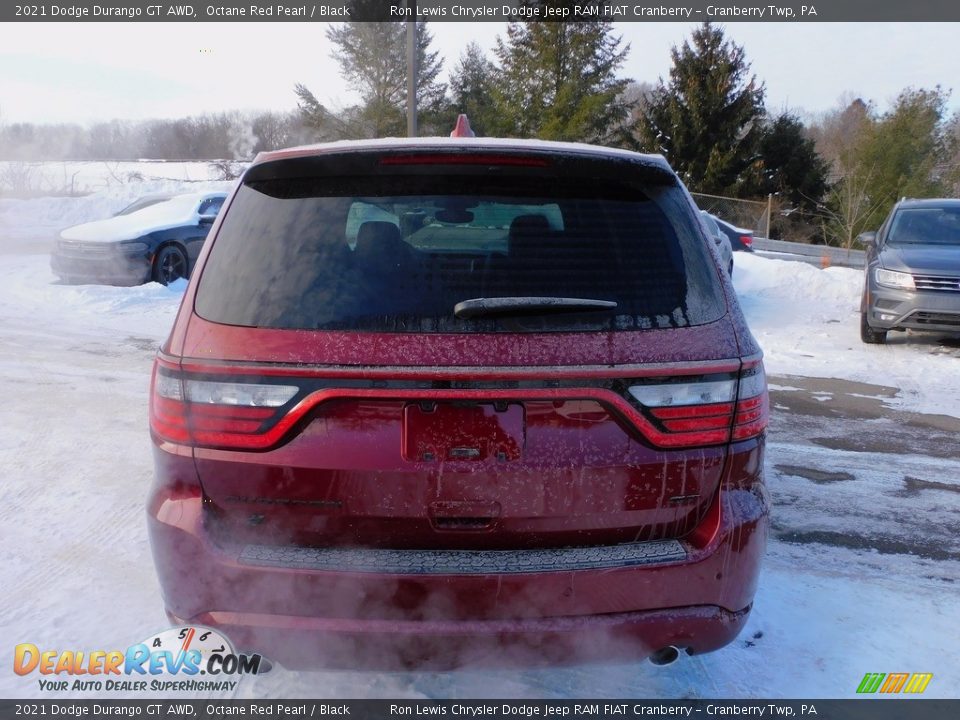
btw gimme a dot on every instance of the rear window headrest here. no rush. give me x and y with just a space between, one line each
528 234
377 236
525 224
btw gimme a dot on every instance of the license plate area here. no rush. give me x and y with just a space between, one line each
463 431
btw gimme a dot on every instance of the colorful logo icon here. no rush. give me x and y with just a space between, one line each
914 683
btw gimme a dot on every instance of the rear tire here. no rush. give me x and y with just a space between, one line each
169 265
868 334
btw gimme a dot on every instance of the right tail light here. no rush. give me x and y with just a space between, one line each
708 411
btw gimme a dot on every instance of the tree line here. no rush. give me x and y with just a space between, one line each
227 135
832 176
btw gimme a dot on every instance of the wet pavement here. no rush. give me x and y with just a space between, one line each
846 468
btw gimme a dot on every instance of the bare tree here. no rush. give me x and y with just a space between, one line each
848 207
839 133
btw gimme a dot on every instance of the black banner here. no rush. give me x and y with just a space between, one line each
483 11
193 709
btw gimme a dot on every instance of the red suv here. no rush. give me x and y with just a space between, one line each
451 401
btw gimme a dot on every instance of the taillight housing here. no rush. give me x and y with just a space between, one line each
709 410
747 240
217 413
234 410
752 413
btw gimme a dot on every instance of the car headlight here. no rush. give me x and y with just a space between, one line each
894 279
133 247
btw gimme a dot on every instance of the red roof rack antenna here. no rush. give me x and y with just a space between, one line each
462 128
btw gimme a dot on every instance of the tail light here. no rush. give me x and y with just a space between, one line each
753 404
747 240
708 411
197 411
250 413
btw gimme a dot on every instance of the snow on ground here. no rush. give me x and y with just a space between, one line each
807 322
75 461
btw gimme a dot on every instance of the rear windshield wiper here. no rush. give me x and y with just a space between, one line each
478 307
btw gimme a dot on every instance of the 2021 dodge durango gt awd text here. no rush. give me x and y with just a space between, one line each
459 401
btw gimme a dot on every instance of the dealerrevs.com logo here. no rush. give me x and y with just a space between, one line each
183 659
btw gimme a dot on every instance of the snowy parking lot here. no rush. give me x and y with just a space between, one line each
862 573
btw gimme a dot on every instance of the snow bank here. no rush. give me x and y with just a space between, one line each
807 322
31 295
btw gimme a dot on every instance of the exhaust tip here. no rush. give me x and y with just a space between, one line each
665 655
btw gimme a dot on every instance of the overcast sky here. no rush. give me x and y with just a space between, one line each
57 72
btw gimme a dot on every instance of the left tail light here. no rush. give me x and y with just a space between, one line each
234 414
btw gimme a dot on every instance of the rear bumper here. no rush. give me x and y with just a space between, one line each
302 615
304 642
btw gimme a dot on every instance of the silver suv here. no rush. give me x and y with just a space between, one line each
913 270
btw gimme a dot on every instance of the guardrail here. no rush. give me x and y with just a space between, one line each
822 255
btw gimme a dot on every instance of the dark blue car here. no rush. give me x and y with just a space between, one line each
157 238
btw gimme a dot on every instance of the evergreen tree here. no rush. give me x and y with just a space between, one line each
559 81
324 124
372 57
787 163
707 119
472 86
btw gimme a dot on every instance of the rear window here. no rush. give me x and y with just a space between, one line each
399 254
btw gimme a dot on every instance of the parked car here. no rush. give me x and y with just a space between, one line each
156 238
720 239
913 270
516 420
741 239
145 201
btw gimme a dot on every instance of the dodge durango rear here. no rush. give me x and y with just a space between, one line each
445 402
